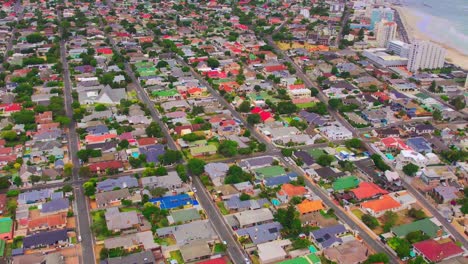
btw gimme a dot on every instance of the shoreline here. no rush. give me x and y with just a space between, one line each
410 20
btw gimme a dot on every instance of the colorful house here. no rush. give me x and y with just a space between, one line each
6 228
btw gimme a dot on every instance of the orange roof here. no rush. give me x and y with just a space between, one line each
47 221
308 206
367 190
291 190
99 138
384 203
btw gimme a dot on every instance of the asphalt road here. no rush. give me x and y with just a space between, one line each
224 231
82 212
375 244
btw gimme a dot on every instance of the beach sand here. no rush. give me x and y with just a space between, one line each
411 19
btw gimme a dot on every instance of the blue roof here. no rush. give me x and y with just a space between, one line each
56 195
122 182
419 144
59 163
261 233
174 201
328 235
55 205
99 129
153 152
34 196
275 181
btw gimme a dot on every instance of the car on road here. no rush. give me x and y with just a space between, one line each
194 189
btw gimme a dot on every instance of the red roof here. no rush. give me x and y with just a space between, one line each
11 107
213 261
274 68
147 141
265 115
194 90
99 138
194 127
367 190
436 252
115 164
296 86
396 143
6 151
256 110
107 51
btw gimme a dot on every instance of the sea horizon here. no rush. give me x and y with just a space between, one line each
443 21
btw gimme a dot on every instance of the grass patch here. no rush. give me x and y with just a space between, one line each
358 213
129 209
74 240
219 248
165 241
99 225
222 208
328 214
306 105
177 256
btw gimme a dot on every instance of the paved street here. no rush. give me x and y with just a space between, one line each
224 231
82 212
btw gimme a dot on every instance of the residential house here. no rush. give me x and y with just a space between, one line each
235 203
187 233
216 171
111 198
445 194
352 252
407 156
289 191
184 216
254 217
379 206
101 167
46 239
6 228
257 162
367 190
121 182
274 251
47 222
146 257
433 251
55 206
261 233
419 144
196 250
428 226
328 236
117 221
310 207
171 181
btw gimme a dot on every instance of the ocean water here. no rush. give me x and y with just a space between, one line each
445 21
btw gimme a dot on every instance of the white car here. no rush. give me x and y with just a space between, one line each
194 189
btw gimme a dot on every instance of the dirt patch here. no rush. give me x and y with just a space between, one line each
71 222
97 249
33 214
92 204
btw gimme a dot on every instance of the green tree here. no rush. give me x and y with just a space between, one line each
433 86
162 64
235 174
18 181
9 135
124 144
301 243
458 102
100 107
171 157
437 115
325 160
244 197
410 169
286 107
416 236
158 192
287 152
196 166
289 219
244 107
228 148
35 38
377 258
334 103
253 119
212 63
85 172
390 220
417 214
355 143
89 188
153 130
370 221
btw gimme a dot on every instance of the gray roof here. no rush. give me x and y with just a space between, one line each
170 181
34 196
236 204
55 205
45 238
256 162
216 169
254 216
195 250
186 233
145 257
262 233
121 220
185 215
106 197
122 182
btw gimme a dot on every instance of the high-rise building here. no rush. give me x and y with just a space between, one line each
399 48
385 31
425 55
378 14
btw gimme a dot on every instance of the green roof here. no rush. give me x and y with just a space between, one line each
185 215
271 171
165 93
309 259
425 225
345 183
5 225
422 96
2 247
202 150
